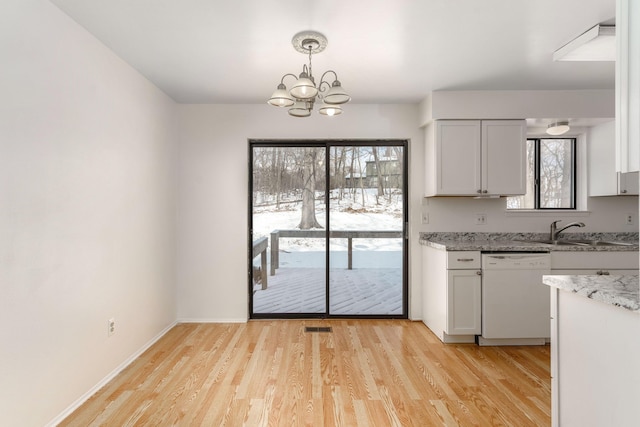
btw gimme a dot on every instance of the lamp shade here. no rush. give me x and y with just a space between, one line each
281 97
330 110
336 95
300 109
304 88
558 128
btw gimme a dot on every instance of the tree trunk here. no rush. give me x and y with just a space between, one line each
374 150
308 219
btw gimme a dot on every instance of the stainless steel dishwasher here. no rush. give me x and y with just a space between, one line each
515 303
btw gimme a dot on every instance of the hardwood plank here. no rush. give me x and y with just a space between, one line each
365 373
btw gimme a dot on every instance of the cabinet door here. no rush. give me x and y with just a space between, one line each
457 159
627 83
628 183
504 157
463 302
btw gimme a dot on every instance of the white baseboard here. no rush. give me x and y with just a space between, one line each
198 320
75 405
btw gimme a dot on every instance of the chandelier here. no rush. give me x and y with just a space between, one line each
304 93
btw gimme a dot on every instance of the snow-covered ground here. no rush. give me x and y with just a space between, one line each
346 214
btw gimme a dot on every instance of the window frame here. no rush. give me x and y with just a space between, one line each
536 185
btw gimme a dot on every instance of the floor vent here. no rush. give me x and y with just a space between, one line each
317 329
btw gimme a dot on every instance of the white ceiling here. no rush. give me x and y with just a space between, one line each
225 51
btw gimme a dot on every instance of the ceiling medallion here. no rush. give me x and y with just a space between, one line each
304 92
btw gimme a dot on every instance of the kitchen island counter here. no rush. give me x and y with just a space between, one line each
619 291
595 325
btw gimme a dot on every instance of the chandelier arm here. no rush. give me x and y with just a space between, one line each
322 88
325 73
288 74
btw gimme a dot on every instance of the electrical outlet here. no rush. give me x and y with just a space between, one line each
629 219
111 327
481 219
425 217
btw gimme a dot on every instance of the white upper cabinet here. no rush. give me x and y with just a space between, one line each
603 178
475 158
628 85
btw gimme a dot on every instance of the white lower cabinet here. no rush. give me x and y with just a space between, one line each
452 294
595 380
594 375
464 293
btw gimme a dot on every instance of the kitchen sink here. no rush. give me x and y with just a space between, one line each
580 242
603 243
555 242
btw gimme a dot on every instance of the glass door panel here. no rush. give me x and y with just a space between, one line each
366 223
336 252
288 220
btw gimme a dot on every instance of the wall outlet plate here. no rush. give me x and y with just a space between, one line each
425 217
481 219
111 327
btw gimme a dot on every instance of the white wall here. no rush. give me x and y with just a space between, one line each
458 214
213 192
86 212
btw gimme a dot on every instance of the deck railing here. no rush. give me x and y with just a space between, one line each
320 234
260 247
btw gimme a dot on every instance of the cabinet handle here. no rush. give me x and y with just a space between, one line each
623 191
479 191
465 259
485 191
479 272
605 273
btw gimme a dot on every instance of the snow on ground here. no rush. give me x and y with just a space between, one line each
346 214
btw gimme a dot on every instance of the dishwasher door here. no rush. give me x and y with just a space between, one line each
515 302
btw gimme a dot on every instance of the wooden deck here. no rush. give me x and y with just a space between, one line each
360 291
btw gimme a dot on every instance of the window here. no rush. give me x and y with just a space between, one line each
551 175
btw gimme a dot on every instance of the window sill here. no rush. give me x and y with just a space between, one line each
543 213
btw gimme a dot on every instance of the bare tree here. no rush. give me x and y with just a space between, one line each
362 192
379 173
308 219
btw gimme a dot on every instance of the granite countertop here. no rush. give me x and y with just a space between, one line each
621 291
522 242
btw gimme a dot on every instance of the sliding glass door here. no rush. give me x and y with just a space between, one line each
366 222
327 224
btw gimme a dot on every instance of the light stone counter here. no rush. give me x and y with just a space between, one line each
620 291
522 242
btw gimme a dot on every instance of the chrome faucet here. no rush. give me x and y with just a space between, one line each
554 232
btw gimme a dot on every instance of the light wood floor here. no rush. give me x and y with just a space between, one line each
364 373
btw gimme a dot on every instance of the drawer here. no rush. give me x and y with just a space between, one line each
462 260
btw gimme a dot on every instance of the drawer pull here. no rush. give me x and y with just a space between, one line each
465 259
